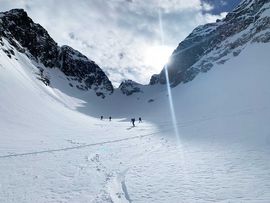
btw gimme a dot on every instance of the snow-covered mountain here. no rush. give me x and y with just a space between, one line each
54 147
34 41
216 43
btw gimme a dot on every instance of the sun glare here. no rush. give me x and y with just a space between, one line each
157 56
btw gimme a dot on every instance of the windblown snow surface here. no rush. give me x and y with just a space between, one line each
54 147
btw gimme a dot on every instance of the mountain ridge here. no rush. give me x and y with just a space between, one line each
205 46
33 40
214 43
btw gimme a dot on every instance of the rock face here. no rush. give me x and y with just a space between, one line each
154 79
129 87
33 40
215 43
25 35
80 68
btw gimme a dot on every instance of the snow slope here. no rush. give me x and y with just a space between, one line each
54 148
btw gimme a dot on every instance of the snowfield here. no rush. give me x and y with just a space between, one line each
54 147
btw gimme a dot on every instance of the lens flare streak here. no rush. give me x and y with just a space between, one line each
174 120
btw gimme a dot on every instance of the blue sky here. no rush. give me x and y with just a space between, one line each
122 36
222 5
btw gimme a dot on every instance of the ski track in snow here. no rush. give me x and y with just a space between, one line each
117 189
82 146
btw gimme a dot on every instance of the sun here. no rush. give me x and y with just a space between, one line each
157 56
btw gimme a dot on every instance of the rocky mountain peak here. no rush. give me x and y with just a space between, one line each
33 40
26 35
215 43
129 87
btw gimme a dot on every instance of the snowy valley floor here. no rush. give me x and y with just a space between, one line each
141 164
51 152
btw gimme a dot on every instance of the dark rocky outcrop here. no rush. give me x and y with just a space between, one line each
79 67
129 87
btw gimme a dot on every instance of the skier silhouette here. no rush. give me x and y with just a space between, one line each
110 118
101 117
133 122
140 120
